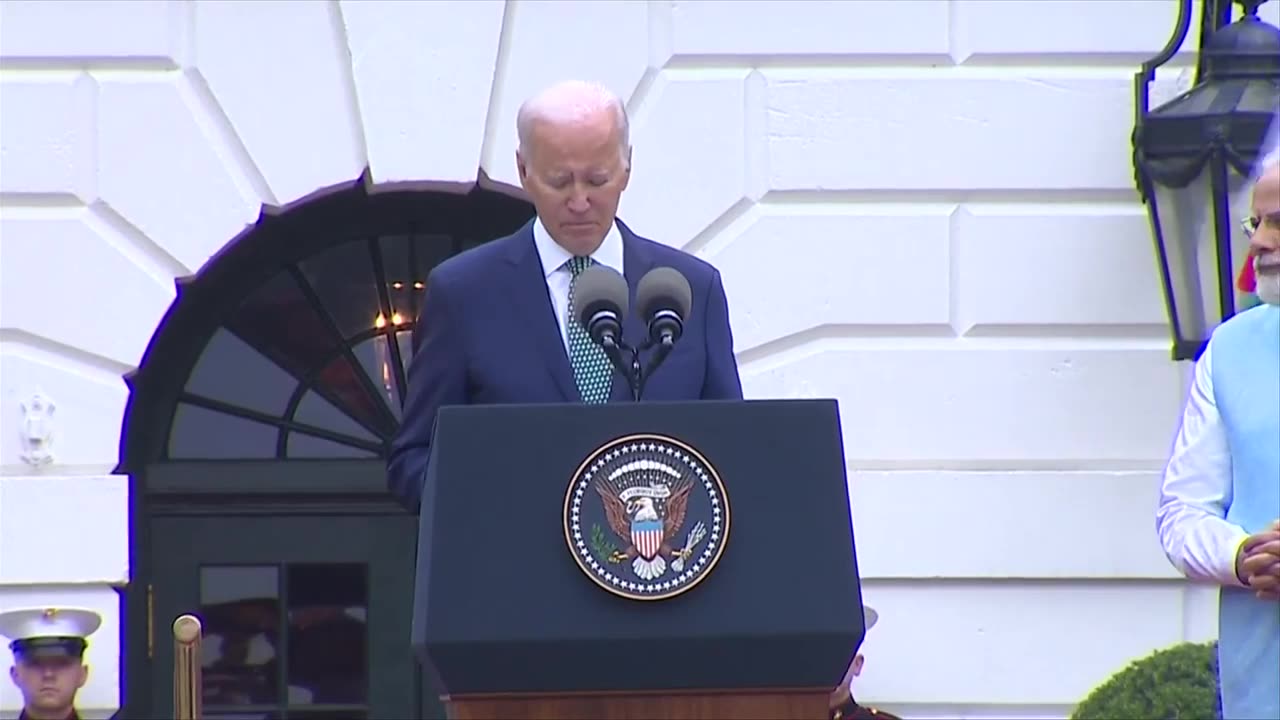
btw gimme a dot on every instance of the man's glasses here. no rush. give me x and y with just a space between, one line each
1250 225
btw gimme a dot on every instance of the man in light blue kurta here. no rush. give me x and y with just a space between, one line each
1219 516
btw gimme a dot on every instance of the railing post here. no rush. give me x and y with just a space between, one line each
187 686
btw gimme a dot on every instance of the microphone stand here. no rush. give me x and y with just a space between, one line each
661 350
630 365
637 376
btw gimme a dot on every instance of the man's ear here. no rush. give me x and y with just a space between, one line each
626 171
520 166
84 676
13 674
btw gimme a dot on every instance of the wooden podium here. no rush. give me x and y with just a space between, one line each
729 705
532 601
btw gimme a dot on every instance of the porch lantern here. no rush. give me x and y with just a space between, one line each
1193 157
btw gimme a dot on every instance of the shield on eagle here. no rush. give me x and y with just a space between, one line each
646 507
647 535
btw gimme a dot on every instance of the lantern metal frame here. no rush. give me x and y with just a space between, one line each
1172 150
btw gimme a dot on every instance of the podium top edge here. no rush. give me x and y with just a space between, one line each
755 402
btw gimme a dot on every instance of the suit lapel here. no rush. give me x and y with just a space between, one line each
537 317
636 261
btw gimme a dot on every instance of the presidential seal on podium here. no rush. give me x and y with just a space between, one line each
646 517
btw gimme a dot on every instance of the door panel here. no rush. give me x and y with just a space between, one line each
305 617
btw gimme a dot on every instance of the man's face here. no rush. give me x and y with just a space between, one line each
575 173
1265 241
49 685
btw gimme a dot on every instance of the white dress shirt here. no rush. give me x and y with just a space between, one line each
558 277
1197 490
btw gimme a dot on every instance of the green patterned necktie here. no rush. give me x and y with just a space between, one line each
591 368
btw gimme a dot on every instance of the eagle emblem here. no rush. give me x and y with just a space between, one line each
646 517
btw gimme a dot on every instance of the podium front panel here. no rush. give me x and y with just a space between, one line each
503 606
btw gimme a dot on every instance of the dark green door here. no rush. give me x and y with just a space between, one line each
305 617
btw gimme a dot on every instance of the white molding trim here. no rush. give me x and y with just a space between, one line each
90 517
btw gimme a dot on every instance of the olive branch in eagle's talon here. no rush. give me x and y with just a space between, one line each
604 548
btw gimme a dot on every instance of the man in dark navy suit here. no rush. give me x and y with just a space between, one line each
498 325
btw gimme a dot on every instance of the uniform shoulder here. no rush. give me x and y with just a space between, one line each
853 711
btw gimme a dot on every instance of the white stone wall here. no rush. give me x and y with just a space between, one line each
925 209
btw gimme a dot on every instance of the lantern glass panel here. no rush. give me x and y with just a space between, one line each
1191 243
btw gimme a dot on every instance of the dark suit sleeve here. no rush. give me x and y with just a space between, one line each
437 377
722 381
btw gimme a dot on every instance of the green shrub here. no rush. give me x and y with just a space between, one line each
1177 683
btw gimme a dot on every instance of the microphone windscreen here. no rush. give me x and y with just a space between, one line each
600 287
664 288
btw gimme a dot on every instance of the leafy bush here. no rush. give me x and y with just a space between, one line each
1177 683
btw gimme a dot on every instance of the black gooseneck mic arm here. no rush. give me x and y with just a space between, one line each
661 350
629 365
627 359
637 375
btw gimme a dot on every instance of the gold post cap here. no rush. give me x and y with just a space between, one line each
186 629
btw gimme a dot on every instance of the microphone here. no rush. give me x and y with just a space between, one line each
664 299
601 296
602 299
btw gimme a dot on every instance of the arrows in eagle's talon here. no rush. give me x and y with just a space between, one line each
617 557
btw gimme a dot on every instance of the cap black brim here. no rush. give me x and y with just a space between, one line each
49 653
39 648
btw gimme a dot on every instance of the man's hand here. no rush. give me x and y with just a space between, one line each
1258 562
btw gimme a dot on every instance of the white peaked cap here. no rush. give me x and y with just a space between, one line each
869 617
37 623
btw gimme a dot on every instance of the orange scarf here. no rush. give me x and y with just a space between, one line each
1246 281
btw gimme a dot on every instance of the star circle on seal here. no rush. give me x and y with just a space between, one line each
646 517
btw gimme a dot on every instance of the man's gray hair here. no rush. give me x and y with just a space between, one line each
1266 164
572 100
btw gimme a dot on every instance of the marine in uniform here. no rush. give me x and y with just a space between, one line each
851 710
843 706
48 647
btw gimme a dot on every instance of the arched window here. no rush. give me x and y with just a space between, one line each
312 363
295 342
255 434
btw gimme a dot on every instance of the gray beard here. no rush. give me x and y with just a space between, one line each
1268 285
